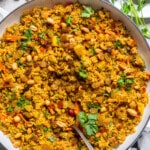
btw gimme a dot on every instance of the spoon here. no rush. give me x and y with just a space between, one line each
90 147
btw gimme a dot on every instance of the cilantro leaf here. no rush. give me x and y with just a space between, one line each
41 35
129 81
9 109
28 34
94 106
125 8
145 32
117 44
88 122
68 20
92 116
52 139
141 5
91 129
87 12
83 74
22 102
121 82
82 118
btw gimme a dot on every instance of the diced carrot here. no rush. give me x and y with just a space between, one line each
103 130
1 66
131 42
3 117
22 118
51 110
36 38
102 26
8 86
109 32
97 29
77 108
12 38
42 49
148 75
89 37
60 104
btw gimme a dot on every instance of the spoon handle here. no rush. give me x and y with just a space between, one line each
90 147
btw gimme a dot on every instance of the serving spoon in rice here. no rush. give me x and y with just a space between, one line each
90 147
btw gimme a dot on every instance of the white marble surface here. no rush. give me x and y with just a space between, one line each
7 6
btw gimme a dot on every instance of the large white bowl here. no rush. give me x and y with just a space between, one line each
143 49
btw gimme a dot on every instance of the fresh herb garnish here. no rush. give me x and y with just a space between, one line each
82 117
113 1
82 72
68 20
145 32
125 8
52 139
46 114
126 82
117 44
135 13
87 12
129 81
141 5
9 109
88 122
106 94
41 35
92 51
45 129
22 102
19 63
97 106
28 35
121 82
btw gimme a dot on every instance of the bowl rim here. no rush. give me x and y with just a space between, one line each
132 22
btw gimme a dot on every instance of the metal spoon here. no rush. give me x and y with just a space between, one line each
90 147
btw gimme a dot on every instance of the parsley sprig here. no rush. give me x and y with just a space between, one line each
128 7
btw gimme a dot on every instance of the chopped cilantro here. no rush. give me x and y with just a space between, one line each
87 12
41 35
121 82
97 106
68 20
117 44
19 63
9 109
82 118
52 139
28 34
82 71
83 74
22 102
88 122
124 81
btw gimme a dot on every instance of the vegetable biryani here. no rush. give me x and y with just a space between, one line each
66 65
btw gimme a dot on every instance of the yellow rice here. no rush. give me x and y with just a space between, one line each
55 64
